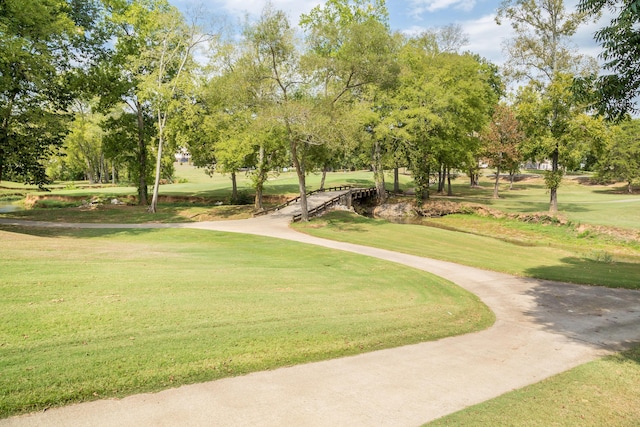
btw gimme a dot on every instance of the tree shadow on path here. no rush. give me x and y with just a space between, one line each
600 317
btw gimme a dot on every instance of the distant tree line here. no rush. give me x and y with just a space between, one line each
109 90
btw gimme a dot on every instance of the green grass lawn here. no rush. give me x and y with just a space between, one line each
541 251
578 201
88 314
146 310
605 392
112 214
607 205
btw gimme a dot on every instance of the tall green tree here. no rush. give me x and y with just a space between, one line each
83 145
168 54
501 141
374 121
350 50
619 159
42 43
121 141
146 71
229 128
277 63
444 101
618 89
117 81
541 54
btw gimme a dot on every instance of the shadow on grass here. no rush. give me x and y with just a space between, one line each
102 214
360 182
589 271
281 189
572 207
345 221
601 317
618 191
75 233
517 206
124 214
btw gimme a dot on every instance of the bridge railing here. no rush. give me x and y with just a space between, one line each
296 199
357 193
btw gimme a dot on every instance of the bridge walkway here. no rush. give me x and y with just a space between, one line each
319 201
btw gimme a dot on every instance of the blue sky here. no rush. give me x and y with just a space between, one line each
476 17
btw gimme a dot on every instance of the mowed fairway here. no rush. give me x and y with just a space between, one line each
600 393
544 252
88 314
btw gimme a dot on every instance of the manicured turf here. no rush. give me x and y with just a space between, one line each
601 393
88 314
150 306
534 254
578 201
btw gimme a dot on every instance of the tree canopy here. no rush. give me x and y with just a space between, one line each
118 85
42 43
620 41
540 54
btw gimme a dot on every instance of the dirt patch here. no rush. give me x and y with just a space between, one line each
36 200
435 208
394 211
587 180
621 234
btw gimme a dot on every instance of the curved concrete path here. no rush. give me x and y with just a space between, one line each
542 328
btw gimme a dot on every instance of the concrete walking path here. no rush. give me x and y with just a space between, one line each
542 328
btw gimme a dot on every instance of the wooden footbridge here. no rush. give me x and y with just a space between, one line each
319 201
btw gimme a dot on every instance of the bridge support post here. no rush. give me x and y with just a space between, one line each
349 199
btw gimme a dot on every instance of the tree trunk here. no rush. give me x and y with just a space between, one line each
104 175
449 190
474 178
497 183
380 189
553 201
428 184
142 159
89 171
257 201
396 180
378 172
234 188
511 178
3 143
302 187
630 187
324 177
156 184
261 177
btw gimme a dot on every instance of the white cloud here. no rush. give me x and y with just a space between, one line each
486 37
421 6
239 9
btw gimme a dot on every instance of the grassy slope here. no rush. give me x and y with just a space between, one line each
608 205
89 314
564 260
